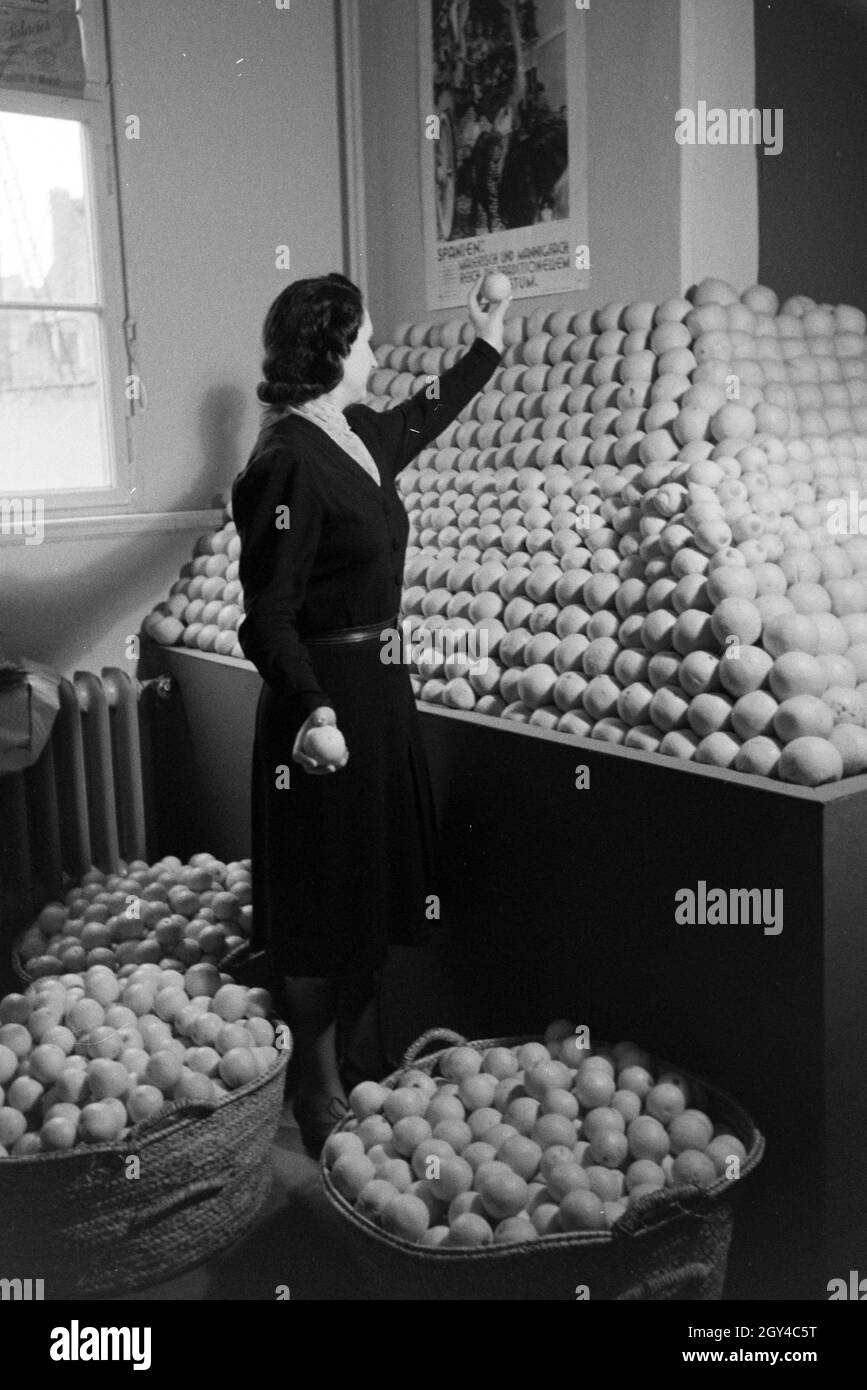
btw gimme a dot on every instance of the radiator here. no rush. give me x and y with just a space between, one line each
88 800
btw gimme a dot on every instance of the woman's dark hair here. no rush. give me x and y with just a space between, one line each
309 329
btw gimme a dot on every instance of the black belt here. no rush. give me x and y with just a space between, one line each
368 633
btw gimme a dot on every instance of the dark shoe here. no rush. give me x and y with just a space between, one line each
316 1121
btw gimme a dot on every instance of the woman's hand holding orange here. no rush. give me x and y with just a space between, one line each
488 323
331 755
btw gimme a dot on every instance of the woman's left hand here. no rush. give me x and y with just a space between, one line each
488 323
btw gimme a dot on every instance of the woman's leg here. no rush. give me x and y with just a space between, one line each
313 1022
363 1051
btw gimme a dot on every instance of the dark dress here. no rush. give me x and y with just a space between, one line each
342 864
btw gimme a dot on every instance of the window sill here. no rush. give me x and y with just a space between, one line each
68 528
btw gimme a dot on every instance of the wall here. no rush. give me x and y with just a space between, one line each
719 183
639 203
232 98
811 60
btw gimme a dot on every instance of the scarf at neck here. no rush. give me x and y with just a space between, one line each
335 424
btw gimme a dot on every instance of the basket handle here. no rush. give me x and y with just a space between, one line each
666 1282
414 1051
173 1202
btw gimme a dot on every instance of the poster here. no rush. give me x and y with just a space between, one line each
504 149
41 47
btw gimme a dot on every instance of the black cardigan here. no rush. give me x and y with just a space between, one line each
339 561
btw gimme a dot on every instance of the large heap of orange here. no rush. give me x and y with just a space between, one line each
646 530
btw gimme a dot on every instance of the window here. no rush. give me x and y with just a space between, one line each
63 352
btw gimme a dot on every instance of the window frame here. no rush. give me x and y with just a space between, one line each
95 112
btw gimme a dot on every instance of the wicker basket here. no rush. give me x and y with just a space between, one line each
668 1245
93 1221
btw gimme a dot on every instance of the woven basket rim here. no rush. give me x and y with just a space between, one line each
689 1201
175 1115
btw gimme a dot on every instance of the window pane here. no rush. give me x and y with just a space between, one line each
52 417
46 250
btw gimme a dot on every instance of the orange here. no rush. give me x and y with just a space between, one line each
143 1102
500 1062
460 1063
605 1183
692 1129
15 1008
455 1176
351 1172
13 1125
238 1066
609 1147
558 1101
469 1230
747 670
475 1092
408 1133
515 1230
692 1167
545 1218
556 1156
164 1071
522 1155
544 1076
477 1153
25 1094
367 1098
498 1134
206 1029
84 1015
106 1079
193 1086
233 1035
503 1192
230 1002
102 1121
664 1102
644 1173
59 1133
850 741
404 1101
803 716
521 1112
723 1148
564 1178
482 1120
810 761
343 1142
647 1138
102 984
169 1003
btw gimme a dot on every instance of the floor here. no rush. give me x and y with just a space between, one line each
296 1244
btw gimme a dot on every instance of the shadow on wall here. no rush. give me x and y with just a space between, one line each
60 599
811 62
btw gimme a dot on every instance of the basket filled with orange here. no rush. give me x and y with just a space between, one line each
540 1168
137 1119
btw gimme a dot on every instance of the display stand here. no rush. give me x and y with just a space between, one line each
561 901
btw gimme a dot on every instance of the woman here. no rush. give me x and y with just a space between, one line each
343 842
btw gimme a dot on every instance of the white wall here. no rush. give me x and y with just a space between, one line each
719 183
637 212
234 159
